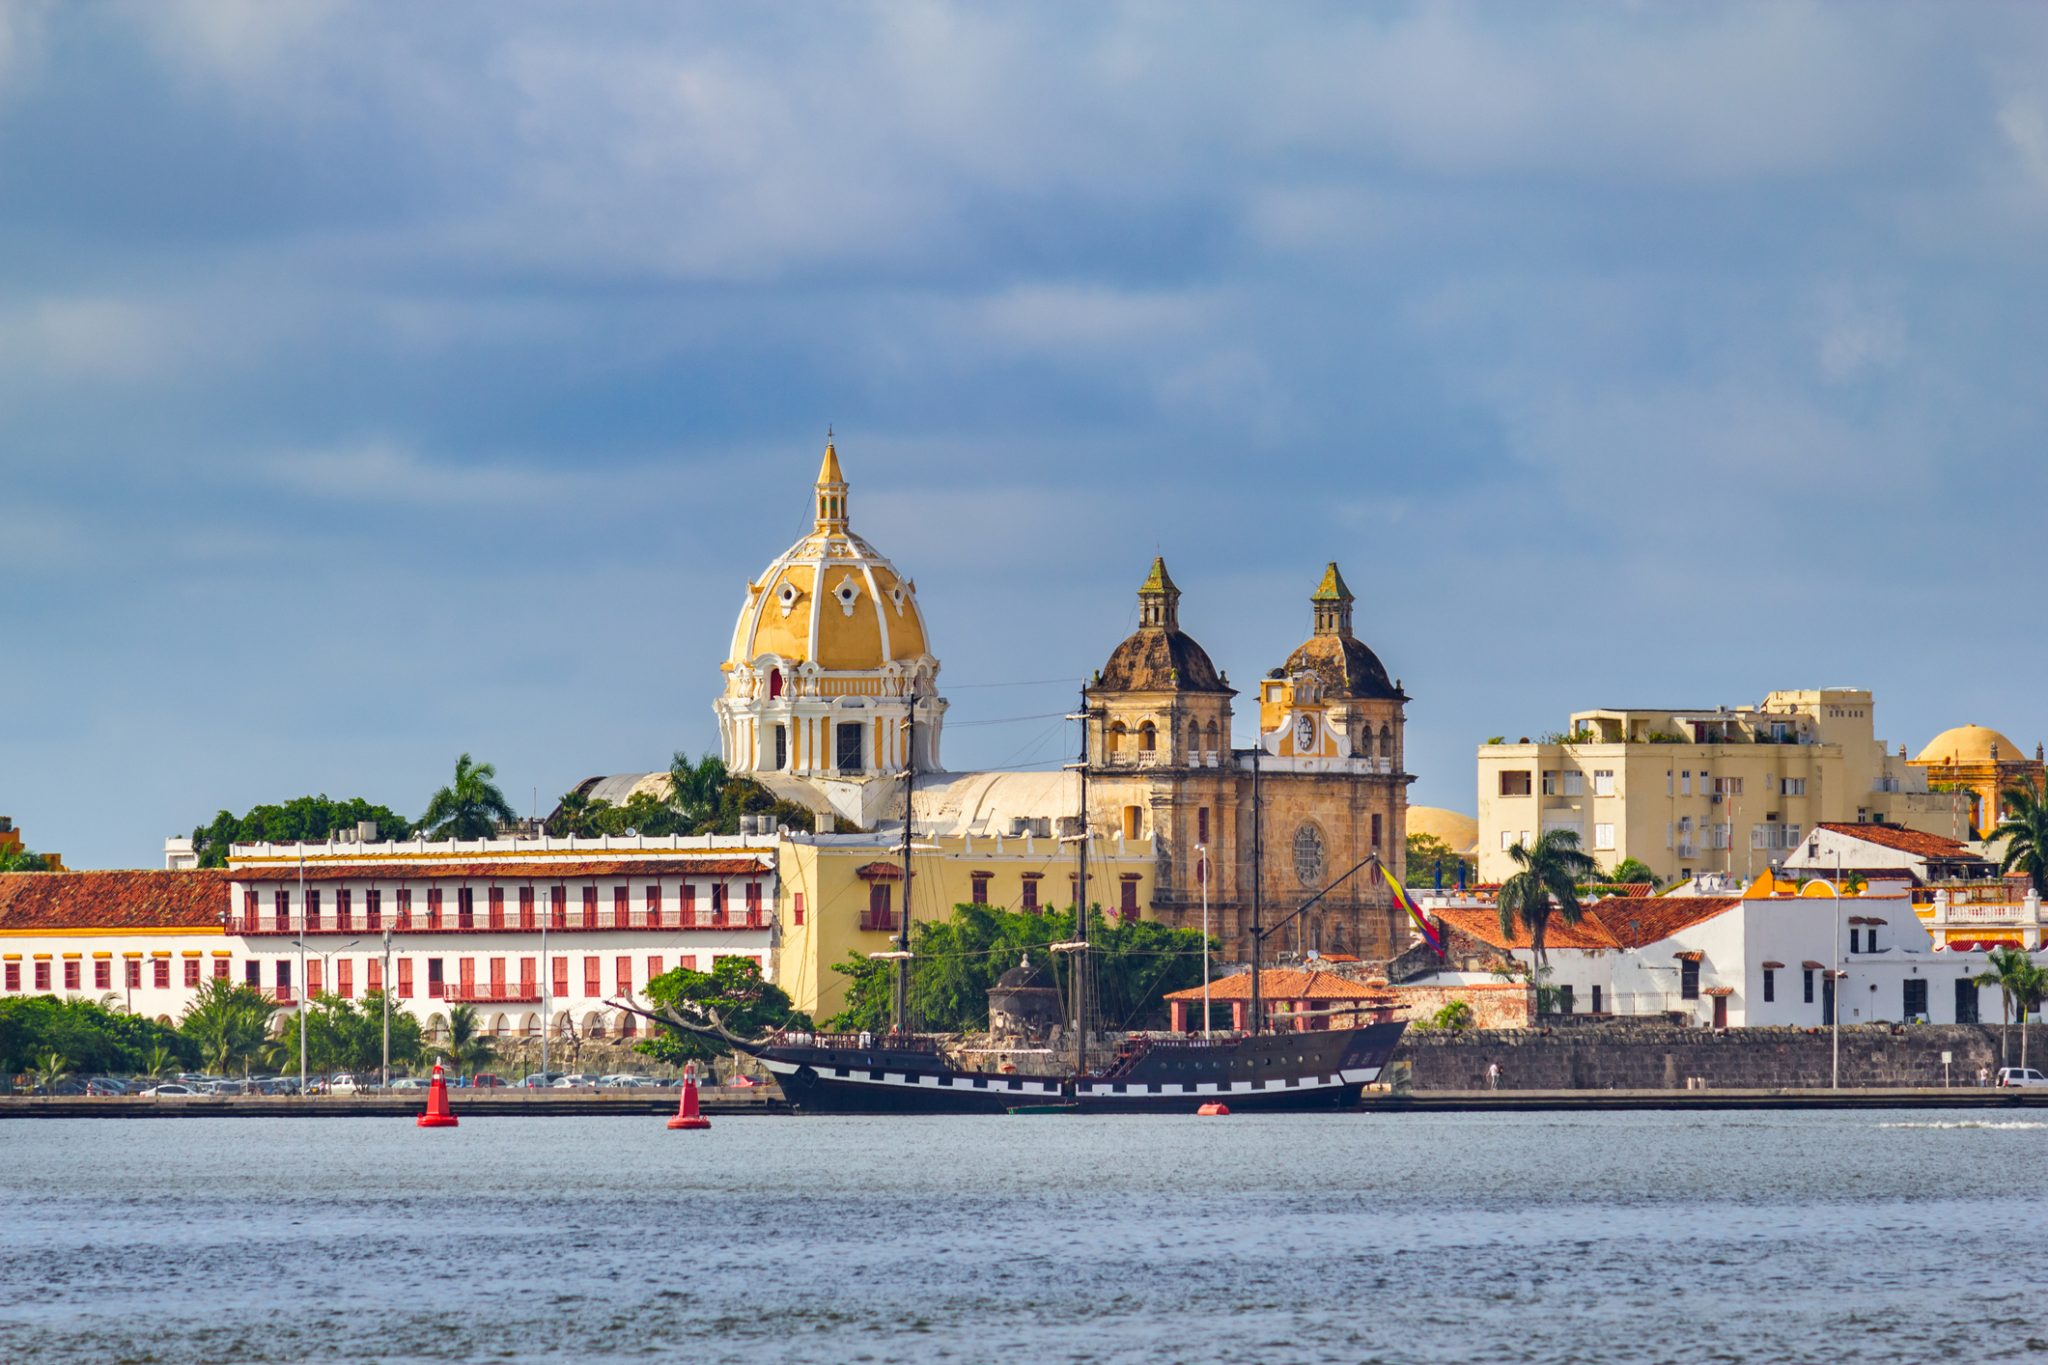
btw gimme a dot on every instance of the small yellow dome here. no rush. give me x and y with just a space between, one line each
1459 832
830 599
1969 744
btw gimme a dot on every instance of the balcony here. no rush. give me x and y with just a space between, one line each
575 922
278 995
878 924
495 995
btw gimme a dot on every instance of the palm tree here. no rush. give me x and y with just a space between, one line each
159 1061
2025 831
467 1046
21 860
572 817
1547 885
694 788
50 1071
2020 984
228 1023
471 807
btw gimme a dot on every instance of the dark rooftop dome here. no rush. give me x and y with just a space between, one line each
1159 656
1339 659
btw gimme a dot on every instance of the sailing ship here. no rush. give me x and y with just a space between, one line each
902 1071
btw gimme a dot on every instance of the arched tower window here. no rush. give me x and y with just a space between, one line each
1215 740
1194 740
1386 743
774 683
1113 739
1148 738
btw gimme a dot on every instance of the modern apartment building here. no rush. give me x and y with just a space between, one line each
1688 791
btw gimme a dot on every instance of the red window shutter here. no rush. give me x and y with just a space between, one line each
405 978
498 977
497 907
653 968
191 972
103 974
343 909
561 974
590 907
281 907
405 909
623 975
689 905
529 976
374 974
654 905
465 969
313 909
593 980
526 908
796 908
620 915
558 901
344 978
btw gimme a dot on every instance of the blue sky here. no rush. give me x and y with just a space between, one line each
383 382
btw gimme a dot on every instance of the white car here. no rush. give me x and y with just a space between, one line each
410 1083
343 1085
171 1090
2020 1076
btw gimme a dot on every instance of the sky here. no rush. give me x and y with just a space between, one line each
380 383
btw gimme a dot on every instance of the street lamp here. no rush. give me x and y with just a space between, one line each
384 992
326 976
1202 852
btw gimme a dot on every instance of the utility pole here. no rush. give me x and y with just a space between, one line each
1202 850
903 923
384 991
303 931
1258 892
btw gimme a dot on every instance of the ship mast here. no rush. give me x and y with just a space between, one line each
1078 945
903 924
1258 891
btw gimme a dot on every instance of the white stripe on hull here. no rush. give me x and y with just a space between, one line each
1107 1090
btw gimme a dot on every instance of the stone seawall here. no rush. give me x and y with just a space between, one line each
1664 1057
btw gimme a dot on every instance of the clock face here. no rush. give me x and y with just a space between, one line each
1305 733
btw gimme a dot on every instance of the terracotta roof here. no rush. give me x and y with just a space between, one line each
555 870
113 900
1618 922
1285 983
879 871
1906 841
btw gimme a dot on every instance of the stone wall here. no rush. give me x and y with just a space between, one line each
1495 1005
1637 1056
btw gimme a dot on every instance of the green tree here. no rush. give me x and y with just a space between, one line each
1426 853
302 818
92 1037
1631 870
747 1005
227 1025
1548 884
470 807
49 1071
362 1042
2025 831
695 787
464 1042
22 860
2021 985
158 1061
575 816
1455 1016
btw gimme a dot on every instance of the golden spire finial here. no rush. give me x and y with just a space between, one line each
831 489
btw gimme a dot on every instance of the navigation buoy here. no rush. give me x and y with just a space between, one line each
686 1109
1213 1109
437 1115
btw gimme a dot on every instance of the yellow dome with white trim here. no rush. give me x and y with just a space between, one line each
830 600
1969 744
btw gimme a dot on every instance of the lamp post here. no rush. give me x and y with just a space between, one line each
303 931
546 982
384 991
1202 852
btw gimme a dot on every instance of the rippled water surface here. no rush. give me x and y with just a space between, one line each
1511 1237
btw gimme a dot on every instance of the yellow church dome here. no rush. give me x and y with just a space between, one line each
830 600
1458 831
1969 744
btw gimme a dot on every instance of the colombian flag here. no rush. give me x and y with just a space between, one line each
1407 902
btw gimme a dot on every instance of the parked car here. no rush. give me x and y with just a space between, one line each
172 1090
409 1083
484 1080
2020 1076
575 1081
539 1080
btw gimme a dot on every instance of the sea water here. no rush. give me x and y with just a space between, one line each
1806 1236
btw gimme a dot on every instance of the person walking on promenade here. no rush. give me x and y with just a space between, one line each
1493 1075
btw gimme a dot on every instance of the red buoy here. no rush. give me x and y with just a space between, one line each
1213 1109
686 1109
437 1115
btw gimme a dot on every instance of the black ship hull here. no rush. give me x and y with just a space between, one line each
1275 1071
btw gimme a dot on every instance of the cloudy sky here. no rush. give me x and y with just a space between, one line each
381 382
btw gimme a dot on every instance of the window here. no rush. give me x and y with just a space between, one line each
621 898
1668 780
281 909
1127 905
1770 985
1134 821
1574 782
1564 999
465 976
1549 782
1514 782
1596 1000
314 982
593 979
13 976
754 918
160 973
191 973
718 904
1603 836
590 907
497 907
132 974
529 977
252 973
103 973
497 978
622 973
405 909
1507 840
849 746
978 889
1966 1000
880 911
1030 901
1603 782
1375 831
1308 856
1792 786
781 745
1727 786
558 907
1915 1002
689 905
558 970
1689 979
653 967
437 985
313 909
526 915
345 978
465 908
405 978
344 909
1201 824
796 902
433 907
43 975
1685 783
1807 974
653 897
1148 738
374 975
373 910
252 906
283 976
71 974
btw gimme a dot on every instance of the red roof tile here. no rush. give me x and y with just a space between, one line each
1484 925
1905 840
113 900
1285 983
558 870
1618 922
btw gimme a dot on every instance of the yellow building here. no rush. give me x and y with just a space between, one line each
1977 765
1694 791
842 894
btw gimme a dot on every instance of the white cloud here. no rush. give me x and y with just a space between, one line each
86 337
2025 126
380 472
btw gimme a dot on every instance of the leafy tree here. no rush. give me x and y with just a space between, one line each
1630 870
1425 853
93 1038
304 818
2021 985
465 1043
956 961
576 816
1455 1016
470 807
362 1036
49 1071
14 859
2025 831
1547 885
733 988
695 787
160 1061
227 1025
